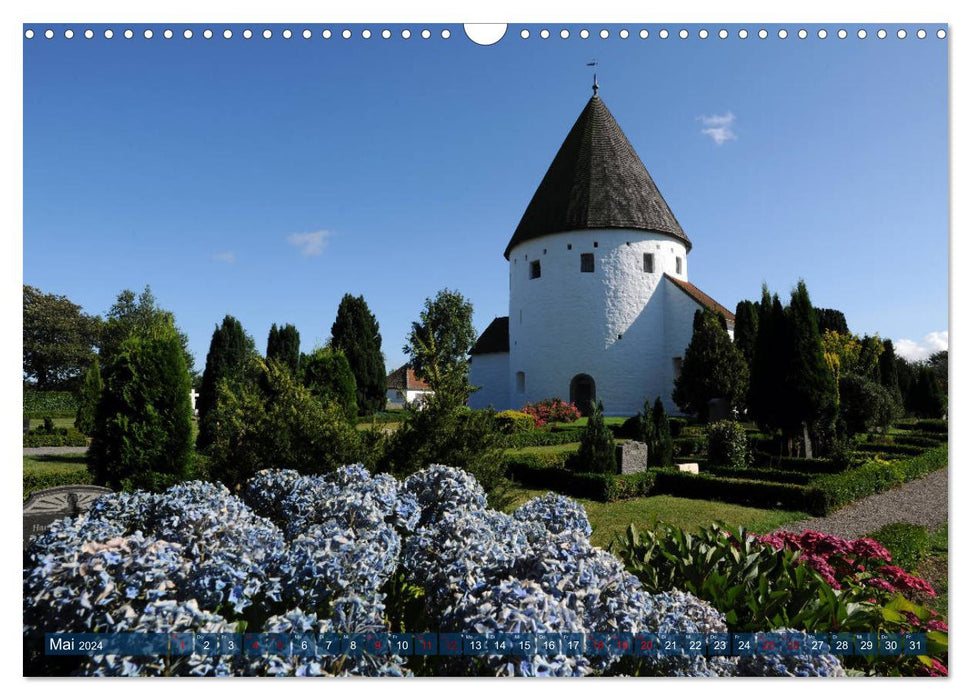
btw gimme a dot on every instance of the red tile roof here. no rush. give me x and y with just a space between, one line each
404 379
702 298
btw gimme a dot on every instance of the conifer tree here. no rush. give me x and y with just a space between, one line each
929 399
283 346
713 368
746 329
355 332
230 351
888 372
327 374
596 453
767 383
88 398
810 389
661 452
143 425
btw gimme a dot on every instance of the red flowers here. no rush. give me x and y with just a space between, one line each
552 411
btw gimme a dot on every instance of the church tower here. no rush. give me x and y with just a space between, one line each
600 306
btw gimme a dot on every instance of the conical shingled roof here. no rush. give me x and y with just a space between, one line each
596 181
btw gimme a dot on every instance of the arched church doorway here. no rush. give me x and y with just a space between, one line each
583 393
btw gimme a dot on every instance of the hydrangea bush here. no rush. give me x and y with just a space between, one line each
356 553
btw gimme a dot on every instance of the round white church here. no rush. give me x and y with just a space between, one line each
600 306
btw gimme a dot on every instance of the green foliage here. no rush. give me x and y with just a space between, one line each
143 422
540 438
677 426
438 346
929 400
810 389
756 586
596 453
746 329
727 445
269 421
906 542
57 404
88 398
865 405
66 470
765 396
750 492
690 446
713 368
831 320
805 465
137 315
355 332
59 339
283 346
48 436
328 376
514 422
535 472
442 433
230 352
779 476
661 446
938 363
834 491
888 373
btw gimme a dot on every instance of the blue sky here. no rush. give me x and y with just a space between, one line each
266 178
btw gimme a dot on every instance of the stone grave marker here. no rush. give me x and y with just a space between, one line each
632 457
47 505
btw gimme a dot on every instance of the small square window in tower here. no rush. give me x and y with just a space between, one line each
677 265
586 262
534 270
648 262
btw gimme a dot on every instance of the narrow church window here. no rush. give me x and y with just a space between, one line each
677 265
648 262
534 270
586 262
520 382
569 246
595 244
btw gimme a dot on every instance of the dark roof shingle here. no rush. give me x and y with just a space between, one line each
702 298
596 181
495 338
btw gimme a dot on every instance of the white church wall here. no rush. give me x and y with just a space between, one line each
491 372
606 324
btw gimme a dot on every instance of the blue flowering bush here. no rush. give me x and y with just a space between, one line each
350 552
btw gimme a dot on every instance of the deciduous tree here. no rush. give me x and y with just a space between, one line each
59 339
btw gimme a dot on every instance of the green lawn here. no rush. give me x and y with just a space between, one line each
58 422
610 519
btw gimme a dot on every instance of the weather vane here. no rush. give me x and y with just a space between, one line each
593 64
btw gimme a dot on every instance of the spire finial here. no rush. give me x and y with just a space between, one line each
596 86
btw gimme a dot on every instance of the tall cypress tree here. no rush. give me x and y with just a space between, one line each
713 368
229 351
888 372
746 328
88 398
767 381
355 333
596 453
661 453
929 399
283 345
810 388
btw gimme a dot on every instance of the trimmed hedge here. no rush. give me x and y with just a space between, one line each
690 445
920 440
50 404
37 478
775 475
891 449
532 472
928 425
540 438
806 465
750 492
68 437
836 490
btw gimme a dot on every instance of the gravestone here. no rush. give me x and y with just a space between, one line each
47 505
632 457
688 467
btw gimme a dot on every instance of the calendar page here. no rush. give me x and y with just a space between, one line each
561 349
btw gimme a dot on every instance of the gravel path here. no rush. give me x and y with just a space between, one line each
34 451
921 502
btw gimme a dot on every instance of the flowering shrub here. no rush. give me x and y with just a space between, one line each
349 552
552 411
511 422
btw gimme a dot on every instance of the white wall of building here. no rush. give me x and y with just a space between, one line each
491 372
610 324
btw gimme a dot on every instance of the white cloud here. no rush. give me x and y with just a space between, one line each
228 257
921 350
310 244
719 127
